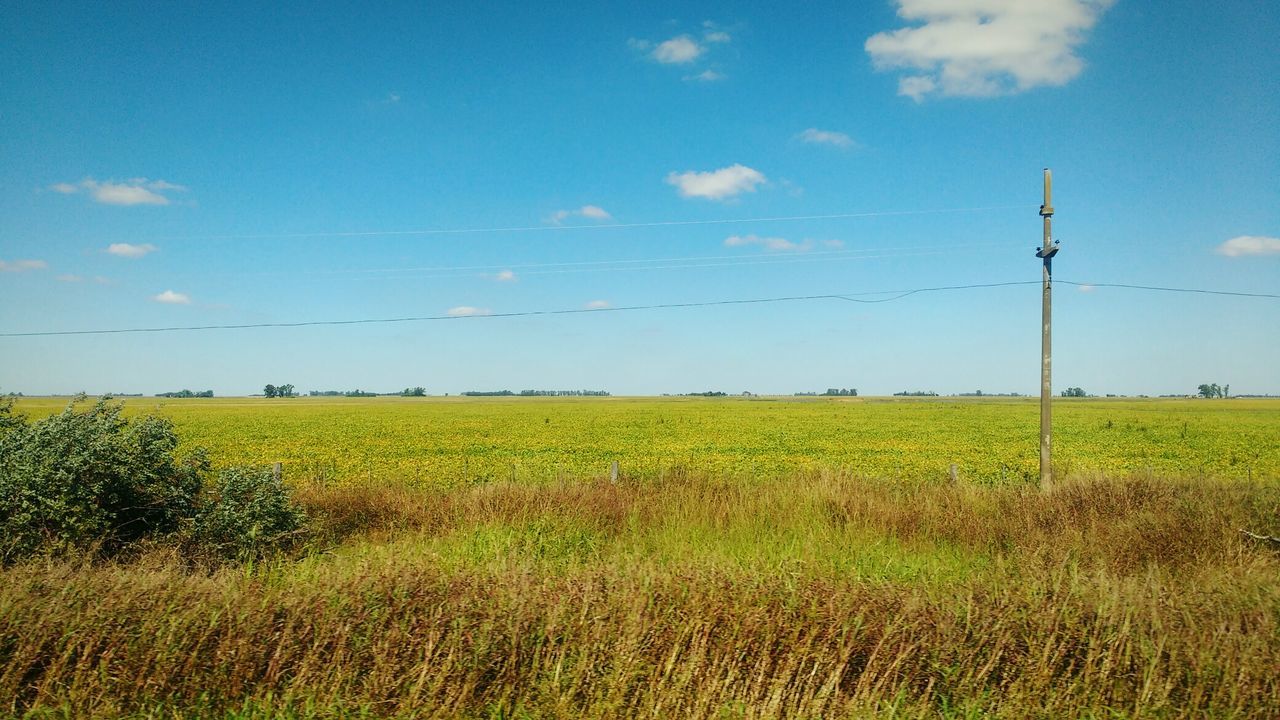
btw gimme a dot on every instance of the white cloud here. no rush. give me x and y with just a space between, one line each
717 184
775 244
1250 245
22 265
678 50
1086 288
170 297
161 185
69 278
130 251
833 244
982 48
717 36
705 76
135 191
826 137
598 305
468 311
505 276
119 194
592 212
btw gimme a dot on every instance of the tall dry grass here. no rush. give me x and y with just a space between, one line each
1130 597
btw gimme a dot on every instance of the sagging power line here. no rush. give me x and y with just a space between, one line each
594 226
859 297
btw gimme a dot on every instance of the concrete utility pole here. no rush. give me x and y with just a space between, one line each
1046 251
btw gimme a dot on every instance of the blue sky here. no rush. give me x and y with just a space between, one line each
164 166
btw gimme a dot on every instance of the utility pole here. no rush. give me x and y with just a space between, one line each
1046 251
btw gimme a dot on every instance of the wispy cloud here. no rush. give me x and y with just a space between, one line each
136 191
22 265
678 50
127 250
467 311
70 278
598 305
705 76
716 36
1086 288
814 136
591 212
717 184
1250 245
505 276
170 297
776 244
983 48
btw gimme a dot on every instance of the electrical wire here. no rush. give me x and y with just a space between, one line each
595 226
850 297
1169 289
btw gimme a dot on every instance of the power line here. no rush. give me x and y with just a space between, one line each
1170 289
595 226
799 255
525 313
850 297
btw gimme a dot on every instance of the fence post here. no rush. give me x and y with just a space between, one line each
276 471
954 472
613 472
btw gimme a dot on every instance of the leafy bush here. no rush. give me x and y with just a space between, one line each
95 481
247 513
92 478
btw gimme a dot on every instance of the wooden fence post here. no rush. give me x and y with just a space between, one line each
613 472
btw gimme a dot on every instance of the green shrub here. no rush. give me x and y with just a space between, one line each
94 481
246 514
82 479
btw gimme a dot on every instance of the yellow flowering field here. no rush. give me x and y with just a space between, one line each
452 441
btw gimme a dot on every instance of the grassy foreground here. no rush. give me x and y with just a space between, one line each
814 595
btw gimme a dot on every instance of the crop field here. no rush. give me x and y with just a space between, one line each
758 558
459 441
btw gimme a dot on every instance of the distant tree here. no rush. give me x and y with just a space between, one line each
1074 392
269 391
285 391
414 392
1226 390
1210 390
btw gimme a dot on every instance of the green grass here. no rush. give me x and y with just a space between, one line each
817 596
842 586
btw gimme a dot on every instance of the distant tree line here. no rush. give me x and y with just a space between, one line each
275 391
184 393
564 393
916 393
709 393
488 393
979 393
407 392
1074 392
843 392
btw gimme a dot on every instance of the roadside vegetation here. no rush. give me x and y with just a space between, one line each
813 593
